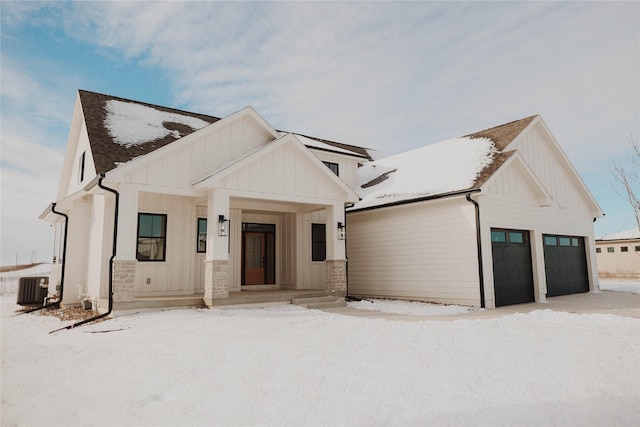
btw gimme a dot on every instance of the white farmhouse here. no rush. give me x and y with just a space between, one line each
205 207
163 207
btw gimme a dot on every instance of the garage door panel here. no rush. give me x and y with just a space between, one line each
565 265
512 269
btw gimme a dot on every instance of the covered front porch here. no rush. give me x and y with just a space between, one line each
247 227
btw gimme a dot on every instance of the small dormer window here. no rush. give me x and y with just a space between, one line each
333 167
81 166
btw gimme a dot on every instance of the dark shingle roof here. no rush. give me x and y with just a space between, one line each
106 152
501 136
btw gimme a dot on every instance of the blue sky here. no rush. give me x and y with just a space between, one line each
387 75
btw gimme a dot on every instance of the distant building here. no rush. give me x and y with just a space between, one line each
618 254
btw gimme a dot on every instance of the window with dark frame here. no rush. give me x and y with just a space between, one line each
624 249
201 245
318 242
610 250
152 232
333 167
81 166
598 250
637 248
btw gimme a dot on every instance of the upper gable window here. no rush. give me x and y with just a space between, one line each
81 163
333 167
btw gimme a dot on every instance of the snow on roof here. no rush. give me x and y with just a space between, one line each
440 168
632 233
131 124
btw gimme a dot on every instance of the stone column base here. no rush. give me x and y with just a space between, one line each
337 276
216 280
124 280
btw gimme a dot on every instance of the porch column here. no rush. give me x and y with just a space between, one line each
217 263
124 265
336 262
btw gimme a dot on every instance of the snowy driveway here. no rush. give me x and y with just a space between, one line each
290 366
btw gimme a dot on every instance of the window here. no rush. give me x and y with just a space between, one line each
624 249
498 236
550 241
637 248
598 250
574 241
610 250
564 241
152 231
333 167
516 237
201 245
81 167
318 242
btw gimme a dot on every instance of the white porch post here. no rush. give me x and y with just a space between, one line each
336 262
124 265
217 264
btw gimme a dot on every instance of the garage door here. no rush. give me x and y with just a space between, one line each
512 271
565 262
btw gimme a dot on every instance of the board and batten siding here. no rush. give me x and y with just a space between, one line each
100 239
311 274
347 166
176 274
423 251
544 158
178 168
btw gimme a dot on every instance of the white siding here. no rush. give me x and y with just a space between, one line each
311 274
425 251
347 166
178 168
543 157
81 146
176 275
100 245
286 172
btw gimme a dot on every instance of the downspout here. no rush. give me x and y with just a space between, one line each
113 255
346 246
64 263
479 244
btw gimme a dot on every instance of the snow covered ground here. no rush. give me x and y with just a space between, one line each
289 366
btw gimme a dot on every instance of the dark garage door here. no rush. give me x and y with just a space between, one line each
512 271
565 262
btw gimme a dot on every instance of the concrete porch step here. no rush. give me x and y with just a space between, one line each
319 303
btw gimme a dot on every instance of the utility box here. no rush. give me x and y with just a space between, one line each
32 290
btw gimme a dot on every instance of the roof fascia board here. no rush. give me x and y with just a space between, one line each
417 200
213 179
545 198
77 122
597 210
119 172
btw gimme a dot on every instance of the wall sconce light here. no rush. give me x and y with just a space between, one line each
342 231
223 226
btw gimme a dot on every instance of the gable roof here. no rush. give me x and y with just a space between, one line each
168 125
450 166
121 129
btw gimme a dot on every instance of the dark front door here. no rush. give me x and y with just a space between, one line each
258 254
512 269
565 263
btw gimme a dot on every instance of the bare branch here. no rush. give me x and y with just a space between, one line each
627 178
